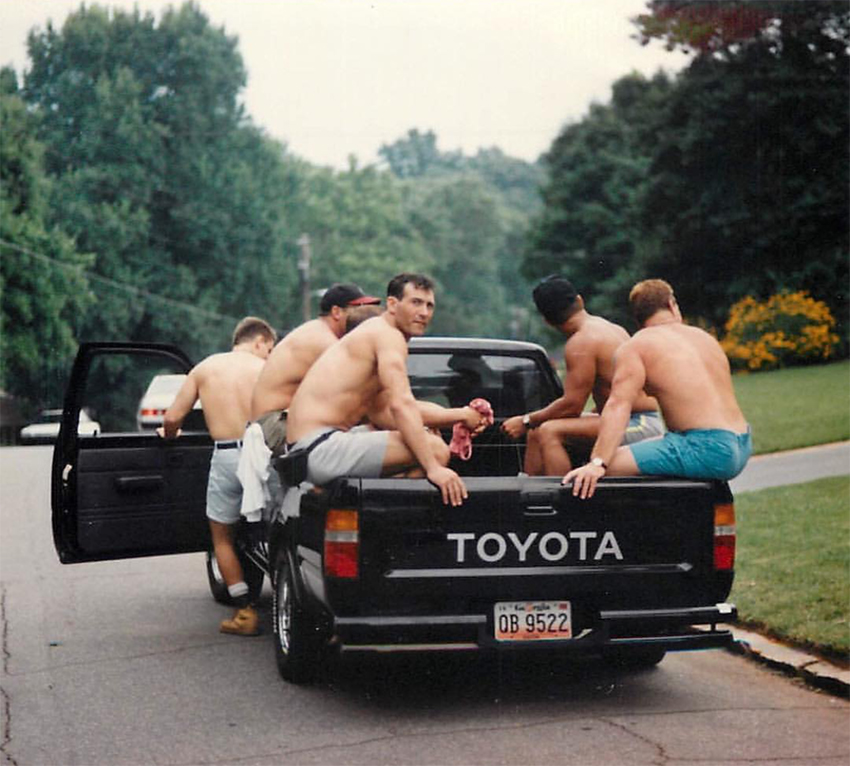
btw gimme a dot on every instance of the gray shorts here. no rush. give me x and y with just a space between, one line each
643 425
358 452
224 490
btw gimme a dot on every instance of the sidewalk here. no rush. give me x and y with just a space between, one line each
815 671
792 467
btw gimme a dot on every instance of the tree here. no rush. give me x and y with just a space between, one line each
512 186
459 223
731 180
358 228
749 179
42 283
159 173
588 229
417 155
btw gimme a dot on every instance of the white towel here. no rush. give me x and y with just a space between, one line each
292 499
253 472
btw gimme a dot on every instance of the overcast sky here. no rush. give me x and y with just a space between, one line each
339 77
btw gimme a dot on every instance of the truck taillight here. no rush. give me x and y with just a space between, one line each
724 536
342 543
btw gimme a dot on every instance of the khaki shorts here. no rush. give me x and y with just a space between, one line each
273 425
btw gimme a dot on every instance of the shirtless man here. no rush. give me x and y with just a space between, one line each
224 383
687 371
348 380
589 359
295 354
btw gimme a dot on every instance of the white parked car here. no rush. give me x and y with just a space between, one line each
158 397
46 427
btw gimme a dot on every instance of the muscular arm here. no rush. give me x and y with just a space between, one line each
437 416
402 407
392 373
433 416
627 385
580 360
180 407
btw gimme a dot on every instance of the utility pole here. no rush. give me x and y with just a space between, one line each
304 271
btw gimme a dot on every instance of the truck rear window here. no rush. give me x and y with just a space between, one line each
512 384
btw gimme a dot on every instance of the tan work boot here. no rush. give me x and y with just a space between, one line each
245 622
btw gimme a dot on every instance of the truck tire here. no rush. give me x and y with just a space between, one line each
635 657
296 637
252 573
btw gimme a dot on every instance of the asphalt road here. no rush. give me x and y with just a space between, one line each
121 663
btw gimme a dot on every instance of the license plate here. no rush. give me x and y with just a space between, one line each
532 620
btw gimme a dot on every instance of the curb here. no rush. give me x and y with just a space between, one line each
813 670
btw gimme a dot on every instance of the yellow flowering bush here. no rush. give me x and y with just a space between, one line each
785 330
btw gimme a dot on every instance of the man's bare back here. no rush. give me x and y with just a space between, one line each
288 363
295 354
688 372
224 383
339 388
594 345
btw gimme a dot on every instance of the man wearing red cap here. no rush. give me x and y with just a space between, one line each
295 354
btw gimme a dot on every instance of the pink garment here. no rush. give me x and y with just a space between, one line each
461 443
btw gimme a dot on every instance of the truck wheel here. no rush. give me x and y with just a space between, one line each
252 573
635 657
296 637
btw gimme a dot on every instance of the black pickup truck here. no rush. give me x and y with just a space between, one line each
381 565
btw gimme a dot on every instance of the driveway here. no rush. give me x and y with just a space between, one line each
794 467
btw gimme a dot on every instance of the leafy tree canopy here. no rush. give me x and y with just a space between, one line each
42 284
730 180
159 173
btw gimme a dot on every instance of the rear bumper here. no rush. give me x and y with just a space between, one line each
669 629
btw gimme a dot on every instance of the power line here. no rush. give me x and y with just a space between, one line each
76 269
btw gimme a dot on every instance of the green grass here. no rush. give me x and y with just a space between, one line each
792 577
797 407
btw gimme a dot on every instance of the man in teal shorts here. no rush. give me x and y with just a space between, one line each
685 369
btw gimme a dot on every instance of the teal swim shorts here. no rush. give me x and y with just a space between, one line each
701 453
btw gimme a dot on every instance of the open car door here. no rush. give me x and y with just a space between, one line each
127 492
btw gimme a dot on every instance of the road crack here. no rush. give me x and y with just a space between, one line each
663 758
4 695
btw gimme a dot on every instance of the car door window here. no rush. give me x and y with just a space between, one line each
129 393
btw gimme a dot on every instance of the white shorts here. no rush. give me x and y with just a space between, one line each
224 490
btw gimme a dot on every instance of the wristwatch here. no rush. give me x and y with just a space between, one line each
526 421
599 463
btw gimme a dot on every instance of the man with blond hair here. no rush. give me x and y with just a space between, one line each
685 369
224 384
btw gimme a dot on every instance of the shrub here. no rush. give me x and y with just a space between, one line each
786 330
